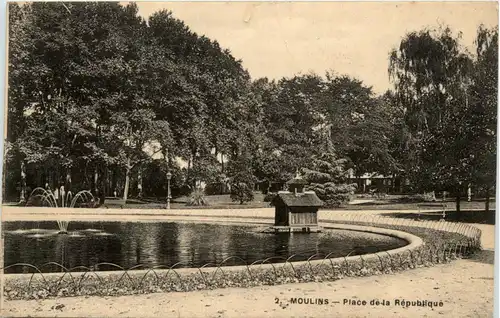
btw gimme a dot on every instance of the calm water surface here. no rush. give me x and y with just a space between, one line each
130 243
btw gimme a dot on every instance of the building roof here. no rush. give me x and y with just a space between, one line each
300 199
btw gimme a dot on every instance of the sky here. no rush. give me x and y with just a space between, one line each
282 39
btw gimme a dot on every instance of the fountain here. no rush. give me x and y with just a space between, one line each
63 226
97 244
45 197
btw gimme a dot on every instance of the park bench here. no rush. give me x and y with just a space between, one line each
441 206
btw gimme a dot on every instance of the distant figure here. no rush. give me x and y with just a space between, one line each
469 193
115 194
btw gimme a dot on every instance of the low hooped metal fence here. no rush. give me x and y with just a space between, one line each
472 233
443 241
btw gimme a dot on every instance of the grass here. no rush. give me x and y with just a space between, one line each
480 217
214 202
394 204
225 202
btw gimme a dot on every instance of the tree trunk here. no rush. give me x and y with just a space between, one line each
188 172
127 181
166 155
22 197
68 180
102 184
216 153
194 180
457 201
222 162
4 192
114 181
487 202
48 179
55 181
4 177
139 183
96 179
39 178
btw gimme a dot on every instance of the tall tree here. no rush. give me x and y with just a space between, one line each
431 73
359 124
290 117
481 117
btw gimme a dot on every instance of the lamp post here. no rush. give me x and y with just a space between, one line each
169 176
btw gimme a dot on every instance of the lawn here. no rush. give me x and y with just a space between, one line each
391 202
394 203
224 202
214 202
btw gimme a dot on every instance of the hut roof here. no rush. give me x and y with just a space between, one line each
304 199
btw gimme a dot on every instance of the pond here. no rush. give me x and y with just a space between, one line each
166 243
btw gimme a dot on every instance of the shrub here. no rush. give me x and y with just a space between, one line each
197 198
216 188
241 192
270 197
327 178
333 195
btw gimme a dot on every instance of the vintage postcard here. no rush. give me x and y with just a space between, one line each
249 159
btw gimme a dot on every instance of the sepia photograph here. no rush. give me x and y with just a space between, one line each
249 159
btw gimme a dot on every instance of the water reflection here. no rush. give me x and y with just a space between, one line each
128 244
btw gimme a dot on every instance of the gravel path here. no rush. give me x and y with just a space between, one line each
464 287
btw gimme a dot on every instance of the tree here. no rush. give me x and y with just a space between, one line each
358 123
55 116
241 174
102 84
242 180
241 192
203 105
431 73
289 119
327 179
481 117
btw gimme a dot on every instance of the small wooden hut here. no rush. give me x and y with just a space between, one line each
297 210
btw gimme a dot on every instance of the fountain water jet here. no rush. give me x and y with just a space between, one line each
63 226
46 197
